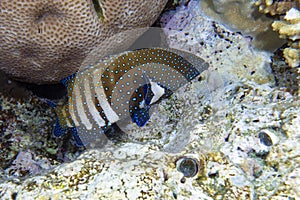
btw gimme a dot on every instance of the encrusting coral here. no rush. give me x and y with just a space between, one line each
44 41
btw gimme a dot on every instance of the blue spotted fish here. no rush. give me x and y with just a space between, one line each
123 86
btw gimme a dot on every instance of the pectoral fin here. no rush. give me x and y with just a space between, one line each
141 116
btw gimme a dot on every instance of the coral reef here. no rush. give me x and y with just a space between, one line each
285 76
28 162
45 41
231 134
224 50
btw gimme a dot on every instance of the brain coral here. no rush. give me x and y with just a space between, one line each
44 41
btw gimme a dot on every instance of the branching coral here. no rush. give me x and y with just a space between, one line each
276 7
289 29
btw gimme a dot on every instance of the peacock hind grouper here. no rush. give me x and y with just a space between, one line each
120 87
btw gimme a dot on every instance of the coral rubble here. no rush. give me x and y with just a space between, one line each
226 145
27 144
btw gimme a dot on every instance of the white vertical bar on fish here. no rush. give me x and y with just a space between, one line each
71 109
157 91
108 111
91 105
79 106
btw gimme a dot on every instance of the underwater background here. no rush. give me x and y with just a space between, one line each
231 133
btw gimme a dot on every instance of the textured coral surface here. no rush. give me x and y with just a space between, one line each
24 124
45 41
